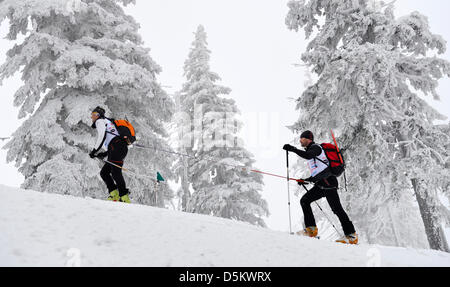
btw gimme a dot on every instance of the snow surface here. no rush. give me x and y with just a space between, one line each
39 229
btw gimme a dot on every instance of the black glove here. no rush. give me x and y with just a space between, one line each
288 147
304 181
92 153
102 155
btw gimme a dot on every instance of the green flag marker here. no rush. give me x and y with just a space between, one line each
159 177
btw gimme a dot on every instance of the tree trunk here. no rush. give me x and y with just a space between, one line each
433 229
391 218
435 234
185 186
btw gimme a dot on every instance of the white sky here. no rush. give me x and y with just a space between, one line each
254 53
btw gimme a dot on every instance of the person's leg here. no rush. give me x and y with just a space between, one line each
336 206
311 196
118 178
117 153
105 173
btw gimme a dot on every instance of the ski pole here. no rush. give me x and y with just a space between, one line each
122 168
326 216
125 169
289 193
337 148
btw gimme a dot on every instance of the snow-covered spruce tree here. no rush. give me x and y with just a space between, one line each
221 187
183 133
445 183
371 67
77 55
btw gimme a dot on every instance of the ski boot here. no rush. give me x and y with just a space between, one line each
309 232
349 239
114 195
125 199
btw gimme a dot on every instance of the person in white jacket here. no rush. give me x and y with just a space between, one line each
116 151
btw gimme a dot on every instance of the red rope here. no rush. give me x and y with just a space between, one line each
275 175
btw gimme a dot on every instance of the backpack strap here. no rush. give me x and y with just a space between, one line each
316 158
325 163
113 121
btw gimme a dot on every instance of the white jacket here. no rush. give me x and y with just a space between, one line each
317 166
106 131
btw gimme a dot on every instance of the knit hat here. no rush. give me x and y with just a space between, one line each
99 111
307 135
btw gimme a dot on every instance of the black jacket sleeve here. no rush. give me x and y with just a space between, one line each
312 152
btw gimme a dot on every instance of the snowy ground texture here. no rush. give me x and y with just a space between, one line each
39 229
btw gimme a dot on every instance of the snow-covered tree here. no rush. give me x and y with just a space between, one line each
182 134
445 182
76 55
372 68
208 130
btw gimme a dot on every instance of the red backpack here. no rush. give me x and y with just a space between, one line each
335 159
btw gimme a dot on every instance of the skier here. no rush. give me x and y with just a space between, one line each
326 185
116 151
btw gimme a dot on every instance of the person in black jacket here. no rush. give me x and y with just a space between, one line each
325 185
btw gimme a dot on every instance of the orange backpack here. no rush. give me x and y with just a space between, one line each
125 130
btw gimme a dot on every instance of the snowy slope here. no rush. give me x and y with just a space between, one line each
39 229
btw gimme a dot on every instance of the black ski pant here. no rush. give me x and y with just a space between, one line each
318 192
112 175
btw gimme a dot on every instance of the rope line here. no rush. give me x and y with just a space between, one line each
209 158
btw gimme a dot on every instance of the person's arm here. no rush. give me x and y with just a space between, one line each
313 152
101 134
